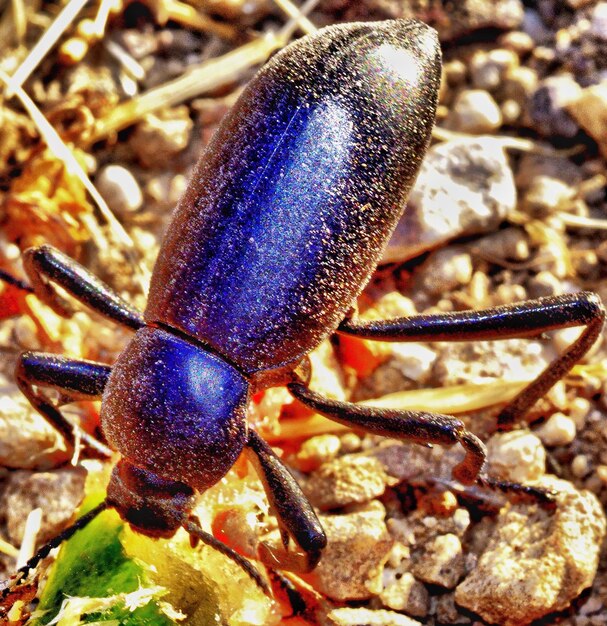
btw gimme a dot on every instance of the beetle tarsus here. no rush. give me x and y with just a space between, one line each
518 493
421 428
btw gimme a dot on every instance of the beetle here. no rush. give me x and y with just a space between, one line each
282 224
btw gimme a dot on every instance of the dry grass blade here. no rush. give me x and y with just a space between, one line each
65 155
188 16
44 44
579 221
203 78
19 19
448 400
296 14
28 545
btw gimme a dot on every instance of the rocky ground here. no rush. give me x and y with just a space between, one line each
510 205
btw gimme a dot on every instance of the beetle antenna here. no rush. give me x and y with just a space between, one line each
9 279
194 530
55 542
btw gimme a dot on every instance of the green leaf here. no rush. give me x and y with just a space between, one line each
92 565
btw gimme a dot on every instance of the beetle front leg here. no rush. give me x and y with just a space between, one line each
46 265
74 379
423 428
295 514
522 319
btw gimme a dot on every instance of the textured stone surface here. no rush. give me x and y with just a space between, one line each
517 455
350 479
470 176
441 561
536 562
27 441
352 563
57 493
366 617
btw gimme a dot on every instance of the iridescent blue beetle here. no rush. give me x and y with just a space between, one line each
281 227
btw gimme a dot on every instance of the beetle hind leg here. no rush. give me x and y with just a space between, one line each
422 428
521 319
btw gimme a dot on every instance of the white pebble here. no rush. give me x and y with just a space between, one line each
598 21
518 456
578 410
475 111
120 189
559 430
580 466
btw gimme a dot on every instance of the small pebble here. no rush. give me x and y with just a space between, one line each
441 561
547 195
536 561
455 72
350 442
549 105
447 611
578 410
408 595
161 136
558 430
57 493
544 283
316 451
598 21
445 270
474 111
518 85
472 177
73 50
518 456
346 480
366 617
518 41
589 108
358 546
487 69
510 243
27 440
534 26
601 472
119 189
580 466
414 360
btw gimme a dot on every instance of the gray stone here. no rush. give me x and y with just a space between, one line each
465 186
441 562
537 561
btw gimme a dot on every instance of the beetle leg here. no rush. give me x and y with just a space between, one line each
295 514
522 319
75 379
422 428
46 265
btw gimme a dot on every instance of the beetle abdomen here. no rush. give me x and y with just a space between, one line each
290 207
